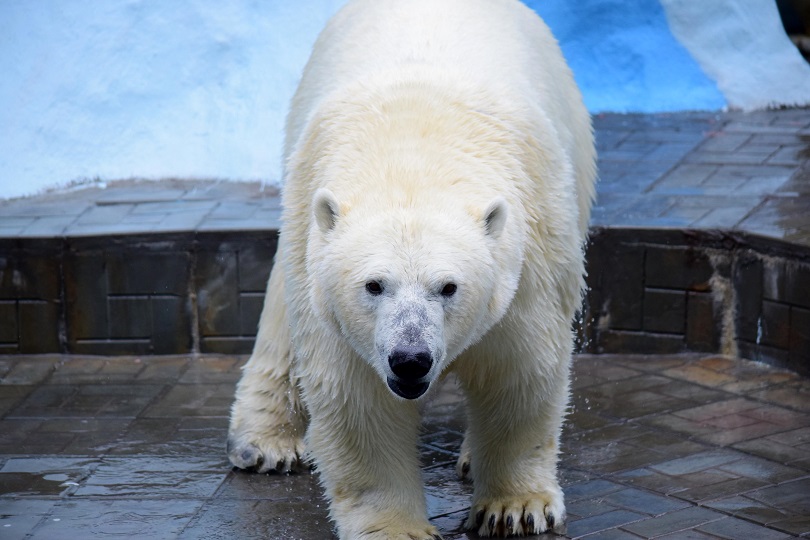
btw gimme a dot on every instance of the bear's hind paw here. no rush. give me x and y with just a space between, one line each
463 470
517 516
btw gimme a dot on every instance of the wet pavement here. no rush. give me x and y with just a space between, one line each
683 446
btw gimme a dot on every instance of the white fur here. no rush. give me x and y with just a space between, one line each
430 142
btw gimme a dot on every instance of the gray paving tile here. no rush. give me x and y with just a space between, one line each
673 522
155 519
798 525
591 489
790 495
259 520
602 522
99 215
697 462
144 209
749 509
48 226
155 192
644 502
154 477
734 528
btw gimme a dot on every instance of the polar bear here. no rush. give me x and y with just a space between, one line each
439 173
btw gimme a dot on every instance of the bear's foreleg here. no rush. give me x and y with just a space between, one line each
515 409
364 444
268 420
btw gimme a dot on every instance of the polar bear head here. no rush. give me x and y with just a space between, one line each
410 286
416 213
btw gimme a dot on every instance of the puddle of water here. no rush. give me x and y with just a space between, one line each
44 477
36 485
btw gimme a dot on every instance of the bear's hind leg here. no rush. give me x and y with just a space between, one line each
268 419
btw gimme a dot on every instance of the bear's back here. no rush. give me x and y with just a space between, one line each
499 46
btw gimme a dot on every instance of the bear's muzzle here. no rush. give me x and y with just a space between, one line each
410 364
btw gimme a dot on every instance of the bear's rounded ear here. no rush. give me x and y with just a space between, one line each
325 207
495 217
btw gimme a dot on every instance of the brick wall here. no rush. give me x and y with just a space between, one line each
667 291
156 294
649 291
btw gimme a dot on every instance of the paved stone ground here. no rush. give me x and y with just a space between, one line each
664 446
744 171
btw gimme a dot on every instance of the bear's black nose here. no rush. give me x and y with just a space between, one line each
410 362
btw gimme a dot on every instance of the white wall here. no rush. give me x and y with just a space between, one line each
114 89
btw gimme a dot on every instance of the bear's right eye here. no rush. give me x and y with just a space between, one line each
374 288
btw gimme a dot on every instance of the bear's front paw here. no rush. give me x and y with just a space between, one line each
280 453
517 516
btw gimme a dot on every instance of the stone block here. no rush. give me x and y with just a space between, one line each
86 296
617 341
799 355
677 268
29 276
226 345
171 330
797 284
8 321
130 317
250 309
623 286
132 272
703 325
218 293
775 324
39 327
664 311
255 263
112 347
747 276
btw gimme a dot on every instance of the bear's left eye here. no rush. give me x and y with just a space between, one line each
374 288
449 289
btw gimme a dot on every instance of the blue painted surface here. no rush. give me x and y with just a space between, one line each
625 58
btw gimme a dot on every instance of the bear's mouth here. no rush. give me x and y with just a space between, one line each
407 390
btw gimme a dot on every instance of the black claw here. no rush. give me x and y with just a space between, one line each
491 523
479 518
530 522
510 523
279 465
550 519
465 467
